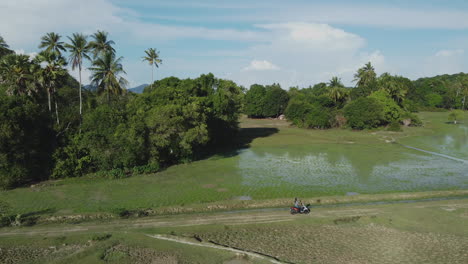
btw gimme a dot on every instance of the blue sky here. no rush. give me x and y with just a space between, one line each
291 42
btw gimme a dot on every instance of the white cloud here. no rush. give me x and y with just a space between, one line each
447 61
449 53
261 65
307 53
425 16
31 55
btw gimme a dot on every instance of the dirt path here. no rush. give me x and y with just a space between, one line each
203 244
185 220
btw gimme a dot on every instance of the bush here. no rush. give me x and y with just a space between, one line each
394 126
415 120
455 116
317 117
146 169
392 111
363 113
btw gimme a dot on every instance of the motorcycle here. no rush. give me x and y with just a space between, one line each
301 210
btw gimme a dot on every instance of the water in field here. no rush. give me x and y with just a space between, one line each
358 168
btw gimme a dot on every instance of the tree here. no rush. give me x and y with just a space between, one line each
4 48
455 115
364 112
254 100
16 72
338 94
392 111
365 79
51 42
100 45
26 141
275 101
152 57
396 86
48 76
106 70
335 82
79 50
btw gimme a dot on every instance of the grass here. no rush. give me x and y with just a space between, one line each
423 232
280 162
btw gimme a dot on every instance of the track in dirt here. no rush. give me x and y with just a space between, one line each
187 220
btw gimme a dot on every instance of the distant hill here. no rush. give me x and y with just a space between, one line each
90 87
139 89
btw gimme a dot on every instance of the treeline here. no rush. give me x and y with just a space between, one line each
50 128
385 100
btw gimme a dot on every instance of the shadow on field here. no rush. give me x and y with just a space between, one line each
242 140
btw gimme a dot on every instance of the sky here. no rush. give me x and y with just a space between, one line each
294 43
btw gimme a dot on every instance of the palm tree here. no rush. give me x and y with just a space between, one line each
365 75
100 44
335 82
47 76
106 70
78 51
16 71
51 42
4 48
3 43
394 86
152 57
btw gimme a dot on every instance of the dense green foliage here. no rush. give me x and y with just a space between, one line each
50 128
26 140
265 101
365 112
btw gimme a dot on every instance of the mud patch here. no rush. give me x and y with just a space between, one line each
222 190
209 186
243 198
120 253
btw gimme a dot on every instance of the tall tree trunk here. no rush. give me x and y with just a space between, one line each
152 74
48 98
81 104
56 112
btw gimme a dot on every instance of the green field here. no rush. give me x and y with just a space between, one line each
278 161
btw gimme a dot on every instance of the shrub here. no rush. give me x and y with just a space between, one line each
365 112
318 117
392 111
394 126
415 120
455 116
146 169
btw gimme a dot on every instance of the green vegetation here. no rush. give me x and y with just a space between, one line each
422 232
265 101
108 131
455 116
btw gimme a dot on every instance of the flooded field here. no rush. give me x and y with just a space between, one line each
436 158
331 168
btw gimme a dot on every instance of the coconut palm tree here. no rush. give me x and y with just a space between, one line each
3 43
106 74
335 82
48 75
365 75
4 48
152 57
16 71
79 50
100 44
51 42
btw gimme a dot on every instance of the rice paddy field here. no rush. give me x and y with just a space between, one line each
278 161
